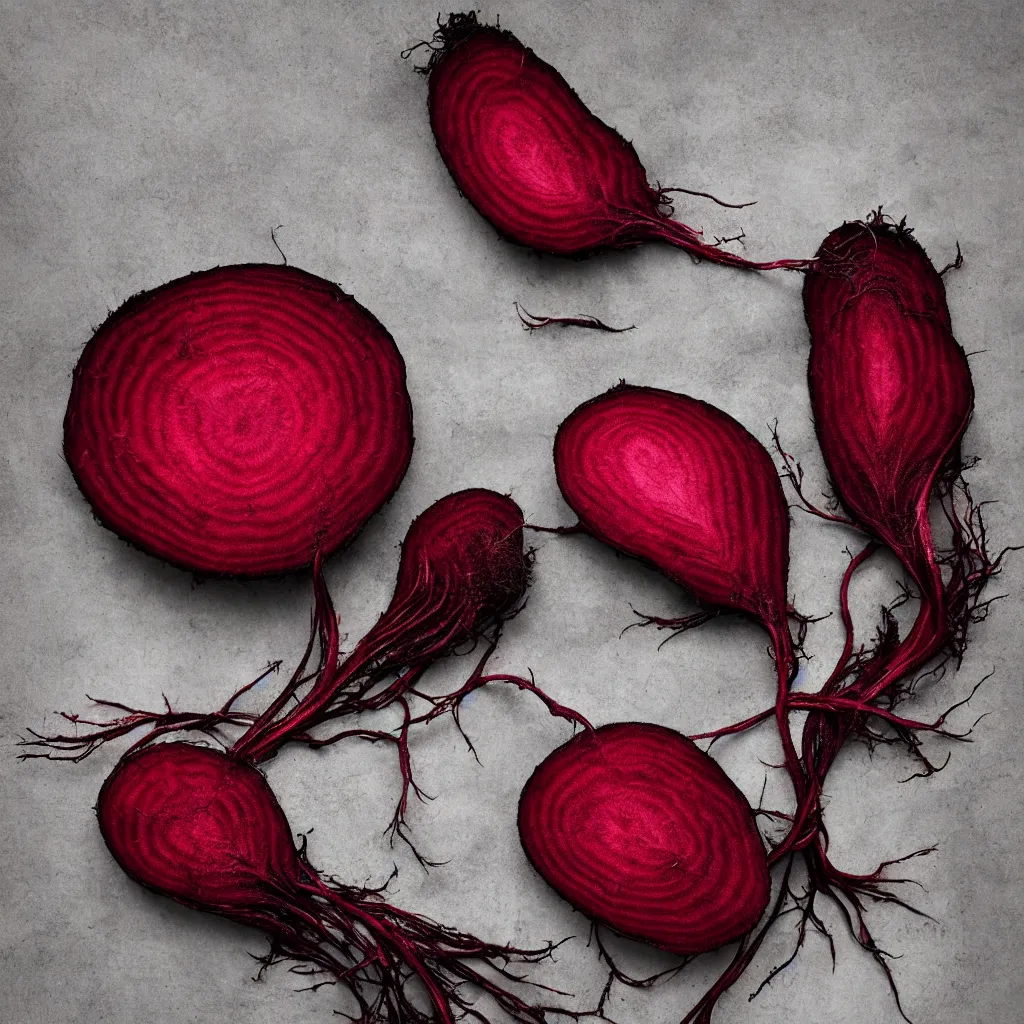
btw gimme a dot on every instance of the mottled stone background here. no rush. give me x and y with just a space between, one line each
144 140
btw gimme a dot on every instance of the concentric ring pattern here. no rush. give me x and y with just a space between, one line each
528 154
890 386
234 421
195 824
682 485
640 830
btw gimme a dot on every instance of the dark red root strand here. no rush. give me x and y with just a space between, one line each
535 323
463 572
680 625
533 160
205 829
706 195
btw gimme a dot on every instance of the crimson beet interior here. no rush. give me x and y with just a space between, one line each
676 482
194 824
238 420
638 828
204 828
527 153
890 386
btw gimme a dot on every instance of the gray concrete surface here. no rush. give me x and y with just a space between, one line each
142 141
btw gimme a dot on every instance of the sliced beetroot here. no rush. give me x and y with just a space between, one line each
890 386
238 420
639 829
205 829
680 484
196 825
535 162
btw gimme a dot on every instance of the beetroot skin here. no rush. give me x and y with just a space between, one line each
205 829
640 830
237 421
535 162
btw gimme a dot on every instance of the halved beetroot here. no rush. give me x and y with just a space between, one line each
238 420
639 829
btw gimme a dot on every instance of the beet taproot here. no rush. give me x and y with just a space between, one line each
239 420
524 149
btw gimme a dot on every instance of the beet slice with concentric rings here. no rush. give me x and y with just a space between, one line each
639 829
890 385
683 486
533 160
236 421
205 829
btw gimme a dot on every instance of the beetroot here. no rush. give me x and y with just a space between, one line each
892 396
640 830
890 387
238 420
206 830
680 484
463 571
535 162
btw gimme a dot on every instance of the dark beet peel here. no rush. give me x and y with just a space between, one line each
205 829
535 162
239 420
640 830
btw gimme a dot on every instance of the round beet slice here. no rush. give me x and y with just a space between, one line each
238 420
639 829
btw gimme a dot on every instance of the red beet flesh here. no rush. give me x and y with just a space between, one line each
890 387
680 484
535 162
639 829
205 829
237 421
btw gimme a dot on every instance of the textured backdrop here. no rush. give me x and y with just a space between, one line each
142 141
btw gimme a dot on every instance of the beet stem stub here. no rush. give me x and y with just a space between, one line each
535 162
640 830
236 421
